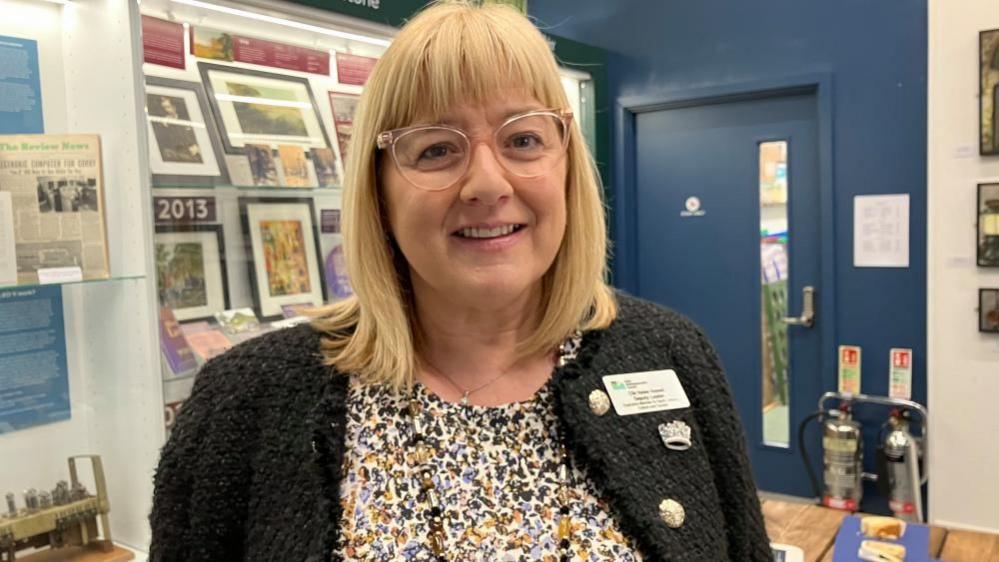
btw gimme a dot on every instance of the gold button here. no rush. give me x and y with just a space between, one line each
671 512
599 402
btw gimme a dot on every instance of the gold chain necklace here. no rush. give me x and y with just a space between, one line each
436 536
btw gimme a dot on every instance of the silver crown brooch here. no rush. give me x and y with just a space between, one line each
675 435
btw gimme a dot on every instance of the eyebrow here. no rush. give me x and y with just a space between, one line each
506 115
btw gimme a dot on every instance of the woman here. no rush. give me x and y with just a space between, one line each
456 407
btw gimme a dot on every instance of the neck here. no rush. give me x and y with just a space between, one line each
463 346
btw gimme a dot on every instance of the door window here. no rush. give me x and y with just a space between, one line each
774 267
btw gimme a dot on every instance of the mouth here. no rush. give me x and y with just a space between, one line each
488 232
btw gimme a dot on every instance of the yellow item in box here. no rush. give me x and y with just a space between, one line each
878 527
877 551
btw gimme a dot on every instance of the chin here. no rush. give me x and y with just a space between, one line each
495 290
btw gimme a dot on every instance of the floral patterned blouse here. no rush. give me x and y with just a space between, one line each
497 477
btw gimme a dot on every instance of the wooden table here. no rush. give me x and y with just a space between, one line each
813 529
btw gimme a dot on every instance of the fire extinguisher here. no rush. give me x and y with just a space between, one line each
898 467
842 458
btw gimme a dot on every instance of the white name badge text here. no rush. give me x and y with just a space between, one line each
649 391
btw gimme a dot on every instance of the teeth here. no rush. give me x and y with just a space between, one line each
487 232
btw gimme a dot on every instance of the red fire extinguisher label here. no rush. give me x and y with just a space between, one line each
902 507
847 504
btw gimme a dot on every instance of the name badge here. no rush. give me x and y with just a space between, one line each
641 393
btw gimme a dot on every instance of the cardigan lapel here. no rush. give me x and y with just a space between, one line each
627 460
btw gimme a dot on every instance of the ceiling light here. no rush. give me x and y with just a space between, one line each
285 22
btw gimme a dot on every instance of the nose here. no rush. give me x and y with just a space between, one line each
485 182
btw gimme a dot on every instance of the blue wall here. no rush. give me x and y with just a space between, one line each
876 54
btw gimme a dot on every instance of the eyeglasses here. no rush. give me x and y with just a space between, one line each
435 157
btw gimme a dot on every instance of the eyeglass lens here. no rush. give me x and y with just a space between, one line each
436 157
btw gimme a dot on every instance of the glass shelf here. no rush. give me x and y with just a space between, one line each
268 188
68 283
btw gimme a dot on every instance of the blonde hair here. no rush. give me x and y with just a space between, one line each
449 53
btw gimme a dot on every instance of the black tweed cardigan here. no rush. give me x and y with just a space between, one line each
252 468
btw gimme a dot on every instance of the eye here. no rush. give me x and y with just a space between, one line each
524 141
436 152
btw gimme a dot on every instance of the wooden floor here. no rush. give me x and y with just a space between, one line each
813 529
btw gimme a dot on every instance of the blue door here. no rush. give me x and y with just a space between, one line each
727 232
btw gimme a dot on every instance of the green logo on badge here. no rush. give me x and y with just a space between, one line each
619 386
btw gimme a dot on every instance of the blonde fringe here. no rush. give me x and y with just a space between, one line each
450 53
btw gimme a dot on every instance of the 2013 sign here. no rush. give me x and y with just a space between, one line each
184 209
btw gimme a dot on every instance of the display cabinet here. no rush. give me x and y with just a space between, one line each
170 186
250 108
78 359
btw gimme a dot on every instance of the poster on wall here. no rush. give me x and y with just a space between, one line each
988 310
988 61
988 225
353 70
255 107
34 376
283 253
184 147
57 204
163 42
344 107
208 43
20 89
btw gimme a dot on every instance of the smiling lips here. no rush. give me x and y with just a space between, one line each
488 232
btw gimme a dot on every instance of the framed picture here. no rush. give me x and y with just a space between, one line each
988 63
988 224
295 166
988 310
284 259
344 106
331 246
190 270
262 166
324 160
262 108
183 145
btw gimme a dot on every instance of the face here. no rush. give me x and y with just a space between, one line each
458 242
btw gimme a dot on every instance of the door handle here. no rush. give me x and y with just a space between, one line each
807 318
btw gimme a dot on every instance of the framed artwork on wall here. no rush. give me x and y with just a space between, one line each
988 310
324 160
183 145
284 262
344 106
254 107
988 62
190 270
988 225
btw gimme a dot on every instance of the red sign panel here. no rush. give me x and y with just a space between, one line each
280 55
353 69
163 42
901 359
850 357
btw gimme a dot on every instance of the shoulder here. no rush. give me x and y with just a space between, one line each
298 345
272 367
275 352
645 326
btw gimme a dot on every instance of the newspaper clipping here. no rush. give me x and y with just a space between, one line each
57 203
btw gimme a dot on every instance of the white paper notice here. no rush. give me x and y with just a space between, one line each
50 275
881 230
8 254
